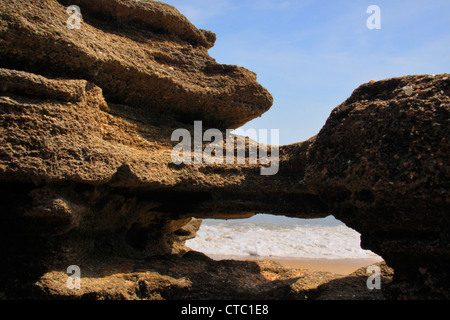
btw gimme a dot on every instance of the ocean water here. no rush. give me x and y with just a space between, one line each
271 236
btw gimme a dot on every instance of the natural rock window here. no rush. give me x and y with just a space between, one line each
325 242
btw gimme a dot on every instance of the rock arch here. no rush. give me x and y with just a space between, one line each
85 165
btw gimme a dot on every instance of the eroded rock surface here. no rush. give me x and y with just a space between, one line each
382 163
86 174
197 277
143 54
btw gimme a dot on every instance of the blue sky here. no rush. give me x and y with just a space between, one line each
312 54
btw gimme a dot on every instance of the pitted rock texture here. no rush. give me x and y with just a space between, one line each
144 54
197 277
85 175
382 163
86 118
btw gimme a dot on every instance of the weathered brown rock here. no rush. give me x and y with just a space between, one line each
83 176
150 15
147 56
86 174
74 168
382 163
197 277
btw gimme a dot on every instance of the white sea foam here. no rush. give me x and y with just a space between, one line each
269 236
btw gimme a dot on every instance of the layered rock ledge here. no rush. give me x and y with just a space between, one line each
86 174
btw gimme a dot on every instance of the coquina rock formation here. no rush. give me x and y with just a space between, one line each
86 174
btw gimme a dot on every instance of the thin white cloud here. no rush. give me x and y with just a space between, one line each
200 12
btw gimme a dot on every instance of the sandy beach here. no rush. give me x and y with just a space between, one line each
338 266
